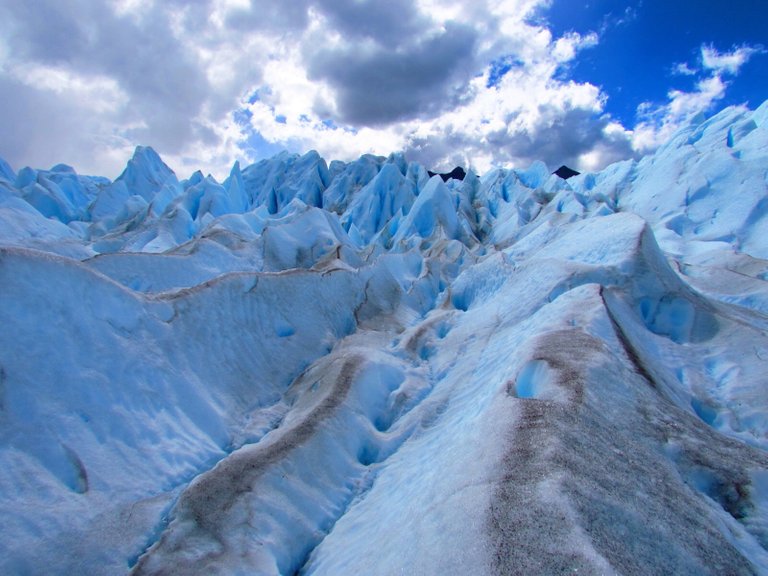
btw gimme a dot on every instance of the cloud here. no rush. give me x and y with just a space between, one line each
658 122
123 77
388 24
528 115
446 95
375 86
683 69
264 16
728 62
206 82
44 127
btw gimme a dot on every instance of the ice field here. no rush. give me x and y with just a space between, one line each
354 368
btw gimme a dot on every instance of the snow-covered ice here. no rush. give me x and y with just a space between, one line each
354 368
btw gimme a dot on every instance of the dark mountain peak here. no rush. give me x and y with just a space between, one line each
564 172
457 173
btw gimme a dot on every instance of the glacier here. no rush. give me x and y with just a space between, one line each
359 368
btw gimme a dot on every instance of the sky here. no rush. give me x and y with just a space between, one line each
479 83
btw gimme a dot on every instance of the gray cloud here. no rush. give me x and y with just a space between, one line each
270 17
562 141
46 31
40 131
377 86
390 23
165 86
177 74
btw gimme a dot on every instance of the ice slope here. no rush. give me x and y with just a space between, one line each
501 434
348 368
117 399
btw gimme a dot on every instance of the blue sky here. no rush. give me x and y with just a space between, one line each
483 83
642 42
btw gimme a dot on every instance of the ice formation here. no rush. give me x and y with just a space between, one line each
356 368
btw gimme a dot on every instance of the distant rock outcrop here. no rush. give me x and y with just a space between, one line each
564 172
457 173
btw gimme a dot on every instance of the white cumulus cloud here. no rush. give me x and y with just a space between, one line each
658 122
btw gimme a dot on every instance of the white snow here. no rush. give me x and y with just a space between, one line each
354 368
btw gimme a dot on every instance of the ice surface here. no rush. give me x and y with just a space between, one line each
6 172
354 368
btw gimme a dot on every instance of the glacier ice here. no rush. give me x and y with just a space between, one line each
348 368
